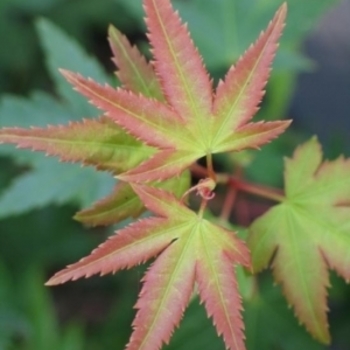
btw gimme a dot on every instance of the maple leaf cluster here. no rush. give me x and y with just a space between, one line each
165 117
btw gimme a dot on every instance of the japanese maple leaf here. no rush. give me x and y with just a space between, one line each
190 249
307 233
188 120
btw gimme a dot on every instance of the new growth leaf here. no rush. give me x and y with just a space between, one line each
194 121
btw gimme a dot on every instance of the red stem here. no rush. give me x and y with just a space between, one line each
258 190
202 207
228 204
241 185
210 167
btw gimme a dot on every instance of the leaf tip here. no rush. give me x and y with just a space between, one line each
50 283
64 72
282 12
68 75
284 7
111 30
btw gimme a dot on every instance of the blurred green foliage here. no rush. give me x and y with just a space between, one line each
38 196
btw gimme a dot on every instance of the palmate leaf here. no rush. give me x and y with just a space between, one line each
193 122
190 249
307 233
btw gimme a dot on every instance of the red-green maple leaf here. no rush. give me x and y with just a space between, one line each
190 249
307 233
193 121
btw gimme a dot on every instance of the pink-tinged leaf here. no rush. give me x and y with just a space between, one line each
185 128
190 248
147 119
167 289
307 233
119 205
178 64
252 135
238 97
163 165
218 253
130 246
98 142
133 70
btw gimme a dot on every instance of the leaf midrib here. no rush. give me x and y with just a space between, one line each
108 256
179 70
141 147
162 132
292 234
217 283
187 245
145 87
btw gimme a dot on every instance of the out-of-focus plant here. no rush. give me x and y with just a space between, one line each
28 320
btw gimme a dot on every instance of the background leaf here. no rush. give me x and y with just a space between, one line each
53 183
63 52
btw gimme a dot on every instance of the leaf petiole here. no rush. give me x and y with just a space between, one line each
229 202
202 207
210 167
258 190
